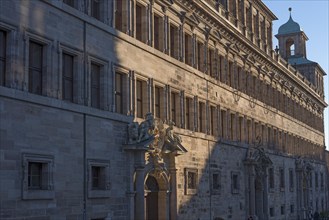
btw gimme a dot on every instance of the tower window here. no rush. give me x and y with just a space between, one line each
290 48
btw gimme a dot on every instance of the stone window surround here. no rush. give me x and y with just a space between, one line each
145 98
126 91
235 187
215 190
46 48
162 99
189 191
104 74
9 38
77 57
35 194
99 193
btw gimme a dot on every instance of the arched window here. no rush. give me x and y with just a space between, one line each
290 47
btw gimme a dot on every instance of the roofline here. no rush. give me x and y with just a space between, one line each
262 4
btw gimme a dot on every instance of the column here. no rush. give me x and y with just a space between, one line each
265 188
139 202
252 191
173 193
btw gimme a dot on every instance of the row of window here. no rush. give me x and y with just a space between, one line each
38 177
191 181
194 51
140 95
259 29
291 176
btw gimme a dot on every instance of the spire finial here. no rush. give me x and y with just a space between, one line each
290 9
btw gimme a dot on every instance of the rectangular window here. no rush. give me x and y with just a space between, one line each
159 103
316 180
69 2
191 178
232 133
141 23
215 182
120 93
321 181
241 133
189 106
292 208
95 85
158 32
141 98
188 49
235 182
271 211
200 56
213 121
282 179
283 210
174 42
175 104
202 117
98 177
119 18
37 177
222 123
291 179
271 178
35 67
95 9
211 63
67 86
2 58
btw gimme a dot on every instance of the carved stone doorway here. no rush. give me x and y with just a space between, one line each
151 198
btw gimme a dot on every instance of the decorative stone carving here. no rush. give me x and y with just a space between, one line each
143 131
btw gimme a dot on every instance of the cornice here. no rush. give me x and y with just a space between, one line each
247 47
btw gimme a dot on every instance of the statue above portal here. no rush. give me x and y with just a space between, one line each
141 132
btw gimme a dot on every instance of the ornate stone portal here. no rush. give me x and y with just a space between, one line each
152 147
257 163
303 171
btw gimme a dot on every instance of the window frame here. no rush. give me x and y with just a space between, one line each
235 188
99 192
46 190
46 50
125 93
188 190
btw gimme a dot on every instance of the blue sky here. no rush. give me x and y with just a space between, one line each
312 16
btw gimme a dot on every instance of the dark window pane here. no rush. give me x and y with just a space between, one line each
139 22
69 2
67 77
139 98
35 68
34 175
95 85
118 93
95 9
2 57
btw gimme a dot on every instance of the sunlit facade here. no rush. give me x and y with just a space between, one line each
158 109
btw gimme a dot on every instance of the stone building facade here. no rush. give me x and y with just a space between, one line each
158 109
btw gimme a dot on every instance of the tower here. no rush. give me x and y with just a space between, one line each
292 47
292 40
